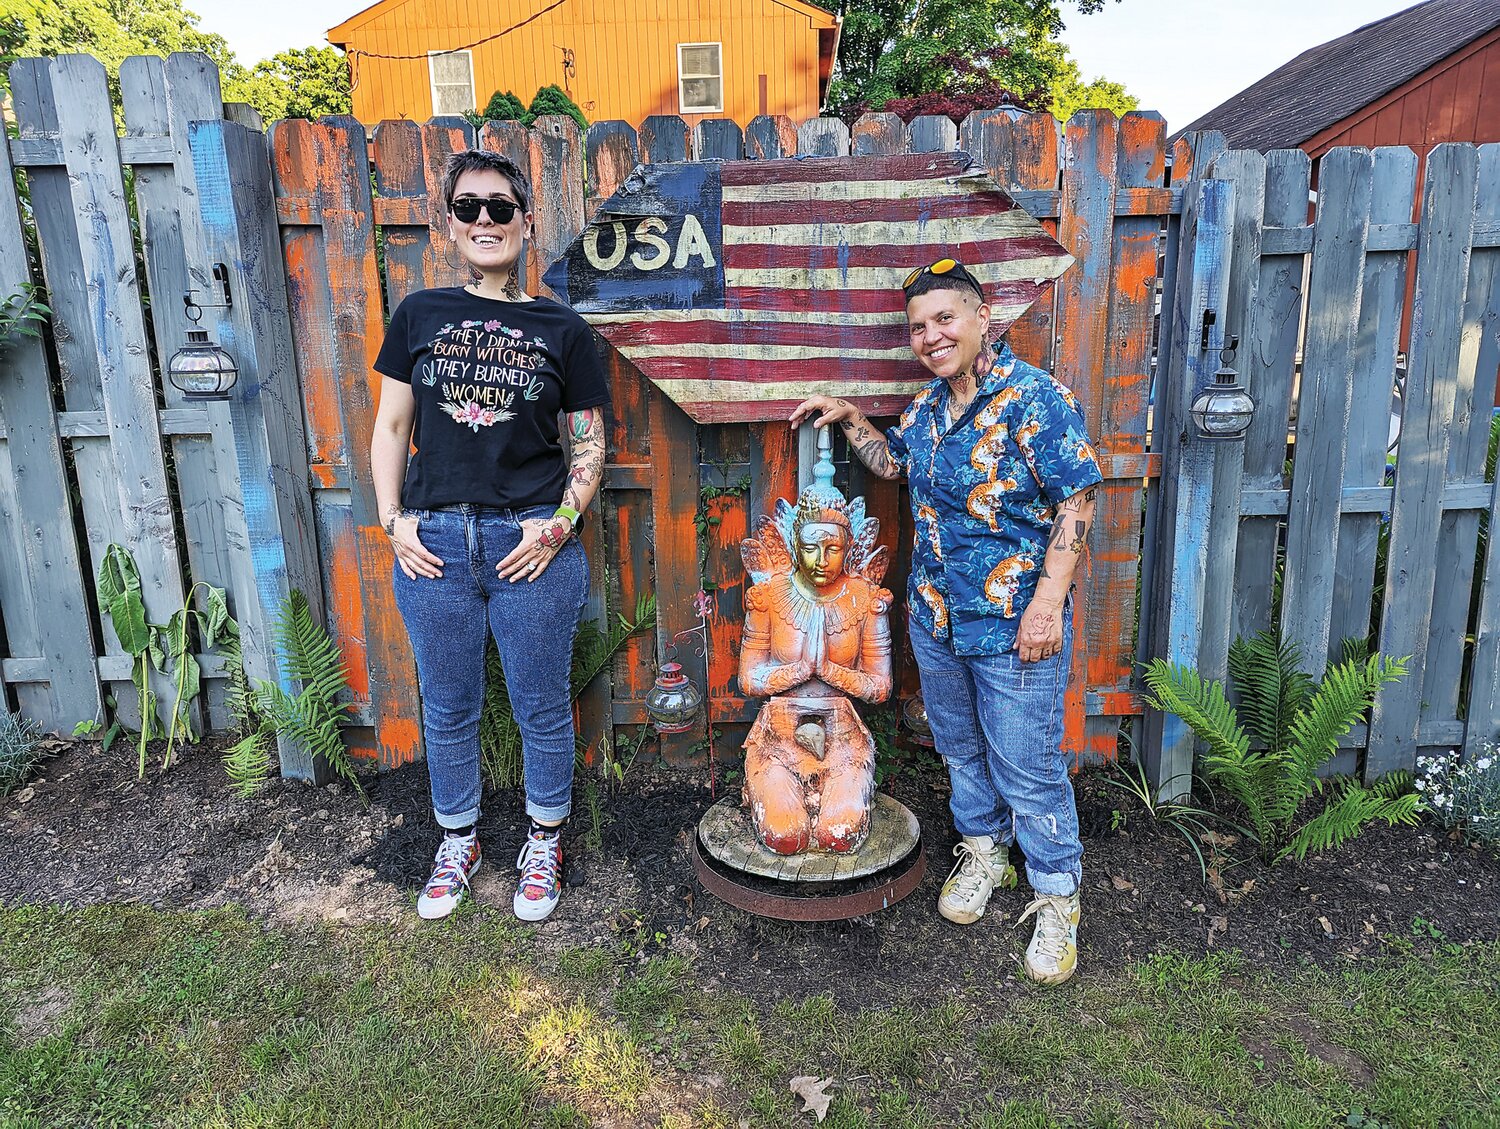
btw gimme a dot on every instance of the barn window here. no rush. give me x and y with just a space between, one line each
700 79
452 82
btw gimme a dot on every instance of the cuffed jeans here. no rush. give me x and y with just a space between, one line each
998 723
534 622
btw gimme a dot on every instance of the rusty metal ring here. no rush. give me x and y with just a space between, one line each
831 907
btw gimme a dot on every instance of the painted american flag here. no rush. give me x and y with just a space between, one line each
742 287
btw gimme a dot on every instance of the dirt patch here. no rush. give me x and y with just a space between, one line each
37 1016
90 832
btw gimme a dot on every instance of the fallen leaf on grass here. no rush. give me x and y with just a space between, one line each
811 1089
1121 884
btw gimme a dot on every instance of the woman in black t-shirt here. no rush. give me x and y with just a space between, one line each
481 518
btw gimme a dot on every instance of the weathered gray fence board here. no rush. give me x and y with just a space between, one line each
933 133
1186 496
514 141
1458 535
1268 362
42 594
1246 170
1449 200
409 163
718 139
1480 351
274 548
160 97
1337 276
823 137
138 490
663 137
879 135
1376 344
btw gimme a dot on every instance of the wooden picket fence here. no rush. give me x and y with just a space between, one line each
320 230
1319 494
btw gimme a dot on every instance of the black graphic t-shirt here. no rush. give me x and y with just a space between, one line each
489 379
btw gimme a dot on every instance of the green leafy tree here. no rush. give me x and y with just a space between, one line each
895 50
109 30
305 82
1295 728
1071 94
551 99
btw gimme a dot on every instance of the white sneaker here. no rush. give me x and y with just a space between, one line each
457 860
1052 956
540 864
982 865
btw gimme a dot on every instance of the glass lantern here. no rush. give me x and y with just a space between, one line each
1223 410
201 370
673 704
914 717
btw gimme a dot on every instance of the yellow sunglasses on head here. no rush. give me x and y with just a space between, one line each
942 267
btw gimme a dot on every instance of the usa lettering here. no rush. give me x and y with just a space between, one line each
649 246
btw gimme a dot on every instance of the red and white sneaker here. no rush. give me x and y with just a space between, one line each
457 860
540 864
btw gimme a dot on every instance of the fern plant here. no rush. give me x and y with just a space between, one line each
1294 727
311 717
593 650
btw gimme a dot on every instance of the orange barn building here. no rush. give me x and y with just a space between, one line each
618 59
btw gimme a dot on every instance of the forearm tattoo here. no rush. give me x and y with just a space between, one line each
586 431
871 447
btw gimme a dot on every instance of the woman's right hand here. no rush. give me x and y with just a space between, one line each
829 409
411 554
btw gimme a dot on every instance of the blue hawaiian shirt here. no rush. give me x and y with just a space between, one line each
983 495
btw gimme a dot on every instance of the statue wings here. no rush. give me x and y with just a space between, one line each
766 554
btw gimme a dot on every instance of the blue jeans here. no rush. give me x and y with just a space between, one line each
449 618
998 723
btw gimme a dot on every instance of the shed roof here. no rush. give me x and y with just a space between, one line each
1327 83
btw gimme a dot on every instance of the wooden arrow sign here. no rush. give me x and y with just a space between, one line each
741 288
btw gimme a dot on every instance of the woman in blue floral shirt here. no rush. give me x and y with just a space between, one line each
1002 480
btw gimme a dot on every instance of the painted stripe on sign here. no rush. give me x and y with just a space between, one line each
706 390
847 191
879 278
980 229
748 256
762 352
635 317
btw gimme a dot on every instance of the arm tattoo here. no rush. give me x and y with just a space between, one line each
1075 502
876 454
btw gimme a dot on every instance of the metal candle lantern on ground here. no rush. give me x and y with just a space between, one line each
673 704
1223 410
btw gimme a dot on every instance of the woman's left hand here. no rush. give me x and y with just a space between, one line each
541 538
1040 635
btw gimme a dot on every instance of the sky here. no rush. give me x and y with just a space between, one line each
1179 57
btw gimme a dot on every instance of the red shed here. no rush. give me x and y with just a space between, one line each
1422 76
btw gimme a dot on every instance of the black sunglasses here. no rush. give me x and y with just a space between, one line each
466 209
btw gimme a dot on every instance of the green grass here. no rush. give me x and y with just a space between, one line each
123 1016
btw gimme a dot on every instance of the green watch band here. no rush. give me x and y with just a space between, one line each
570 513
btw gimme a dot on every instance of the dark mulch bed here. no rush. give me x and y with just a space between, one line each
87 831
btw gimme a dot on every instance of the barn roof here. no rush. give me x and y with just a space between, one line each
1327 83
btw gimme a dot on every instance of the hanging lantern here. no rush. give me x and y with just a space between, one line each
201 370
914 717
1224 409
673 704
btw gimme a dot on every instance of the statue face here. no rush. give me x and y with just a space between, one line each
820 553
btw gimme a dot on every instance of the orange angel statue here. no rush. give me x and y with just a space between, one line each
817 630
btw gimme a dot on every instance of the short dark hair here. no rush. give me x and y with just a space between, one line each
955 278
479 160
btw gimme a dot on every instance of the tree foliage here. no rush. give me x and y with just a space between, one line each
303 82
504 107
109 30
298 83
950 56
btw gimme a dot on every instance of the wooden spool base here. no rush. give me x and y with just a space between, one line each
738 870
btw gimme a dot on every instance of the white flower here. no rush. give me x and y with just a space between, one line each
1483 764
